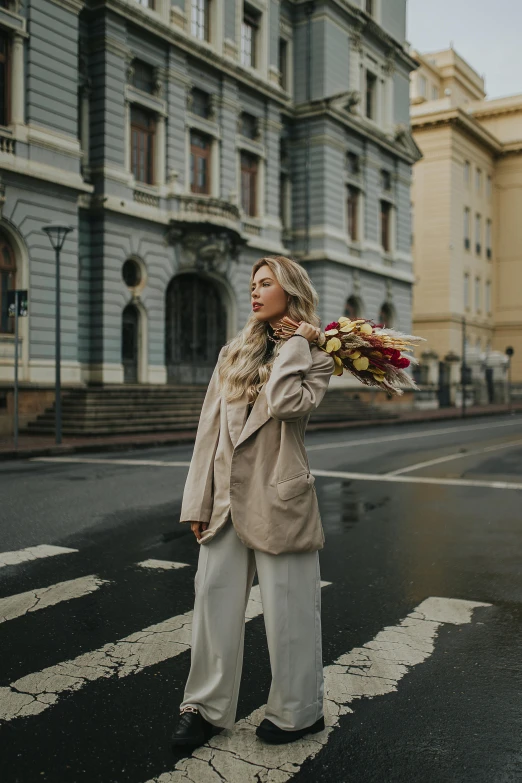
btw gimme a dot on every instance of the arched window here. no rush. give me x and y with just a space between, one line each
387 315
7 283
353 308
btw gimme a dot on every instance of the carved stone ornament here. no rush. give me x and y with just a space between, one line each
212 107
157 87
346 101
211 251
356 40
129 69
389 65
189 97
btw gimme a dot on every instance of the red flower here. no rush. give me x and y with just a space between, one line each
333 325
402 363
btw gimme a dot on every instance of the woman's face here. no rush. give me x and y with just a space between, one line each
269 295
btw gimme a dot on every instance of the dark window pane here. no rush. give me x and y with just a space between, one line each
200 103
248 125
143 76
371 83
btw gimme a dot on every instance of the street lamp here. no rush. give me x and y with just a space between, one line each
463 372
509 353
57 233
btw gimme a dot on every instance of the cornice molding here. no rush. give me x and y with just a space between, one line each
463 121
75 6
385 141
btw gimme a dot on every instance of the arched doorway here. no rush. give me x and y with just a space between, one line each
387 315
7 283
196 328
130 323
353 308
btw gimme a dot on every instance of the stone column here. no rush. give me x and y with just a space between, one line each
17 81
159 152
127 137
84 129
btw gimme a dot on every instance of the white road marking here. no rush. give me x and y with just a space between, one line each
165 564
366 672
95 461
36 692
32 553
442 482
406 436
17 605
449 457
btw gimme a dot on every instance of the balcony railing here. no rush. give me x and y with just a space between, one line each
7 144
208 207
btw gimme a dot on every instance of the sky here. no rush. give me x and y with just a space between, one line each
486 33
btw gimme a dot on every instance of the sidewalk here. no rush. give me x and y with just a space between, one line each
34 446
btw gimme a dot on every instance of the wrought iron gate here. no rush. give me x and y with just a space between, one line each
195 329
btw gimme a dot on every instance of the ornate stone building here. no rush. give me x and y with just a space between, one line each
467 197
182 141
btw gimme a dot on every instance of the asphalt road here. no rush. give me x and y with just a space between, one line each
422 616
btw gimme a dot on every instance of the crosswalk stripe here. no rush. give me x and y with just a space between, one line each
368 671
32 553
392 479
449 457
36 692
17 605
164 564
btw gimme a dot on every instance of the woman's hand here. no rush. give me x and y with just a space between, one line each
198 528
307 330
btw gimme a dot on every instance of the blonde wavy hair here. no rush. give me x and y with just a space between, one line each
246 362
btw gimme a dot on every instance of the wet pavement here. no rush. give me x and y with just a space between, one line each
423 512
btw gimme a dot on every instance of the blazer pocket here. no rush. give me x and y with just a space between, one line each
290 487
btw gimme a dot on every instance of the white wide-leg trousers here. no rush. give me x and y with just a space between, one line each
291 596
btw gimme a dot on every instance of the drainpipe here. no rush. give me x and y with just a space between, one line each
309 9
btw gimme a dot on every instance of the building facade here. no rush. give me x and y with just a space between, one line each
467 201
182 141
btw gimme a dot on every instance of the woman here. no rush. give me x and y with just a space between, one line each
252 505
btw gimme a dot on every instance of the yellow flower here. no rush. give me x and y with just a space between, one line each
343 320
338 369
365 329
331 331
337 360
354 355
322 339
347 327
333 344
362 363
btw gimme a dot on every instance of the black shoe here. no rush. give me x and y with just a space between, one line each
271 733
192 730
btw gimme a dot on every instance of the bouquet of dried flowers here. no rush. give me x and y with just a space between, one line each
369 351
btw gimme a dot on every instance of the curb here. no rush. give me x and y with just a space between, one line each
113 445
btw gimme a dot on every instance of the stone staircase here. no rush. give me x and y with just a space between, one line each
137 409
342 405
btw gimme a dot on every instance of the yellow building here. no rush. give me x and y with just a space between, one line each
467 208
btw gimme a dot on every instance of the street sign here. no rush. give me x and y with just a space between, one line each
22 303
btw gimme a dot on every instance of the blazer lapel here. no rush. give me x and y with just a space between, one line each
240 427
236 414
258 416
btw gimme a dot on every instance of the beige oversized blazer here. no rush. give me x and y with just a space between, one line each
256 467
